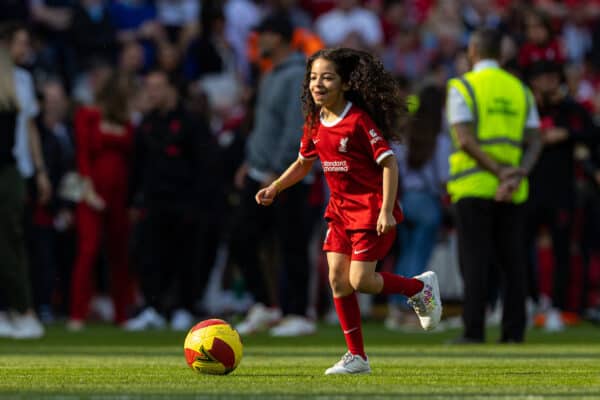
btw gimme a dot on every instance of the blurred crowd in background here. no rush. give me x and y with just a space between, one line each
192 68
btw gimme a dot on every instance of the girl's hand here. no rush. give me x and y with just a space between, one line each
385 222
265 196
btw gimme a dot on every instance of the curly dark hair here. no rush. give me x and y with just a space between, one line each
371 88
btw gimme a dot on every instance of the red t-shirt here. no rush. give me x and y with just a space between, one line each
350 150
531 53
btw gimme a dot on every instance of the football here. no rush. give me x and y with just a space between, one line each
213 347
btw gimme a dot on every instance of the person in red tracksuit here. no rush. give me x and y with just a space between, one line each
352 108
104 144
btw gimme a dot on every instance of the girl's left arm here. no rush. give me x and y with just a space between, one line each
386 220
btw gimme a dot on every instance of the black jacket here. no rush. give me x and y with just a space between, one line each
174 162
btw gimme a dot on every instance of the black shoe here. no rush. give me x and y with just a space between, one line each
465 340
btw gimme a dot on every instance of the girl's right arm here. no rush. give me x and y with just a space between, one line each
294 174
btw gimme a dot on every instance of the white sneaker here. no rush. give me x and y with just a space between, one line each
428 303
147 319
6 327
27 326
102 308
182 320
294 325
350 364
494 317
75 325
259 318
554 322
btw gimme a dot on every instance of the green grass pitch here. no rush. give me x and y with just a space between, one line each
104 362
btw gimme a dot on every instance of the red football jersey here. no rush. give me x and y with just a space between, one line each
350 150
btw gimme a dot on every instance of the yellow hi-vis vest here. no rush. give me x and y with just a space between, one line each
499 103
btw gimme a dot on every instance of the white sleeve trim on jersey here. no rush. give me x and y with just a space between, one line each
384 155
306 158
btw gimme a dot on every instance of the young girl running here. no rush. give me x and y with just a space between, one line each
352 108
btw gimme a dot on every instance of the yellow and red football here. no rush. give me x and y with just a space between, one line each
213 347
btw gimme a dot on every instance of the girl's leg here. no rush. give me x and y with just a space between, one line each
364 279
346 303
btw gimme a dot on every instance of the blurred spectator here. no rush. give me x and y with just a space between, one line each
52 20
169 61
173 186
93 33
480 14
177 15
104 138
88 84
393 19
209 52
350 25
131 59
277 129
444 20
52 219
240 17
406 55
14 281
576 35
564 122
423 165
27 150
303 40
137 20
540 42
298 16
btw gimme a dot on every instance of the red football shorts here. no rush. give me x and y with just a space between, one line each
360 245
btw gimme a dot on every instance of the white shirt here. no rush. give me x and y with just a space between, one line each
178 12
459 111
335 26
28 109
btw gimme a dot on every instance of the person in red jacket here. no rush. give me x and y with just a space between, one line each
352 108
104 144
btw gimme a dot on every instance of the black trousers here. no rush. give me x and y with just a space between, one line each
171 275
288 222
15 286
560 222
492 232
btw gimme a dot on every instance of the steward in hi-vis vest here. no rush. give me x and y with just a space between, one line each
494 126
499 104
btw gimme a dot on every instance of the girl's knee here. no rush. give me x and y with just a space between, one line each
339 282
358 281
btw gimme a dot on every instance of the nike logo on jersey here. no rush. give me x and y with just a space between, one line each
350 330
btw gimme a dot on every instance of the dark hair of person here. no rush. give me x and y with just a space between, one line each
542 17
113 99
371 88
425 126
488 42
8 29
